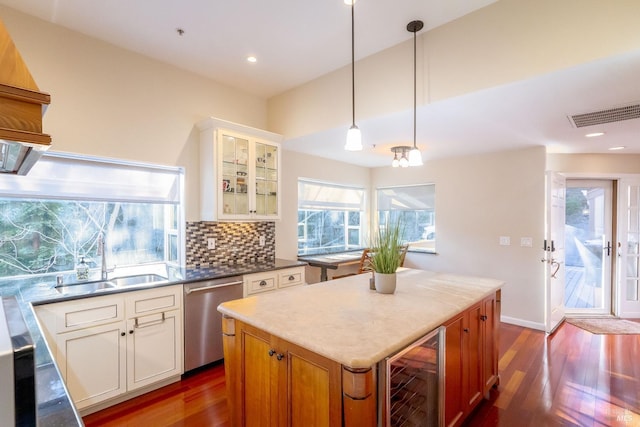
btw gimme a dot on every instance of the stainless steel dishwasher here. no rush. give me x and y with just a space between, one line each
203 322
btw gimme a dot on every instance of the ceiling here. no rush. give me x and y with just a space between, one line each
296 41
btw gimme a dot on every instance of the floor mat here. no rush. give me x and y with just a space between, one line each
607 326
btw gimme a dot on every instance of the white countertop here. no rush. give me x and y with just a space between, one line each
345 321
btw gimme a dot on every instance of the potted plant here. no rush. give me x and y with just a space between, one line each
386 256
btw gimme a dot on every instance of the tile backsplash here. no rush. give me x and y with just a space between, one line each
236 242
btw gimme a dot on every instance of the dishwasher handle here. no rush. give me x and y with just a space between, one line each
206 288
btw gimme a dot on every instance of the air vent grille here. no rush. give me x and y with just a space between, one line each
611 115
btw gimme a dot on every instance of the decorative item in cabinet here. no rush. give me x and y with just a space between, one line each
239 172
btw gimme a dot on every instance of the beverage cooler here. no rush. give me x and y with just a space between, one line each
411 384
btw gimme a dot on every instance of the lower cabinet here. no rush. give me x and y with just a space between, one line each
256 283
108 346
288 375
471 361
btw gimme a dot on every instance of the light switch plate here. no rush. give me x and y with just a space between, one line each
211 243
526 242
505 240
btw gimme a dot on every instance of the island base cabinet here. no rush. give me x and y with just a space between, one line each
278 383
471 358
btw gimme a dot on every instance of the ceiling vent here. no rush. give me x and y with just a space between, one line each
610 115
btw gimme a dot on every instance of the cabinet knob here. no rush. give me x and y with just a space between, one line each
466 330
280 356
291 278
272 352
483 317
122 334
130 331
263 283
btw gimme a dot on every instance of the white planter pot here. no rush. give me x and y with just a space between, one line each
385 283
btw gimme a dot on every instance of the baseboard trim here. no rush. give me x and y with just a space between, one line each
523 323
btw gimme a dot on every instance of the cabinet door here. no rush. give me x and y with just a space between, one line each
305 377
154 348
490 330
234 175
92 363
266 178
259 379
454 368
473 357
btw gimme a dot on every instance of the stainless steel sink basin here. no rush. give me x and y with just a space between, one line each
84 287
139 279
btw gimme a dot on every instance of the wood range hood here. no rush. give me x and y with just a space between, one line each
22 106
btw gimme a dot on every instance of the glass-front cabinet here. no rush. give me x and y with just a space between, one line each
239 172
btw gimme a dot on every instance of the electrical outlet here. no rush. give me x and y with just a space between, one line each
505 240
262 240
211 243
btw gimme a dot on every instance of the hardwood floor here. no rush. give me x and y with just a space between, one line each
572 378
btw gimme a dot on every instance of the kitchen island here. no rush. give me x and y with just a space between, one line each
310 354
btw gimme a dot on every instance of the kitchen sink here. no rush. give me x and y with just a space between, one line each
139 279
84 287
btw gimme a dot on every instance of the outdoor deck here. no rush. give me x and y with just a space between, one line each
577 293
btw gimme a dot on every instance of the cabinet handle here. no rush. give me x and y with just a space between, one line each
291 278
263 283
138 325
272 352
483 317
466 330
122 334
130 331
280 356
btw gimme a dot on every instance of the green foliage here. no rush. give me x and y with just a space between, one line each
386 247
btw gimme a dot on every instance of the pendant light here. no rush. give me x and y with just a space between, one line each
415 157
354 137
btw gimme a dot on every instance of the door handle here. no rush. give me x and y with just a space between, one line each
608 248
557 264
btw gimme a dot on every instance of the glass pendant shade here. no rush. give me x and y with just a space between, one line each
354 139
395 163
404 162
415 157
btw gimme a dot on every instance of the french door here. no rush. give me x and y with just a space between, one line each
589 247
629 249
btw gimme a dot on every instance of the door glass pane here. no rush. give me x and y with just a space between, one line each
586 241
632 290
235 153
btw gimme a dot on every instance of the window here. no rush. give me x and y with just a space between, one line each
330 217
52 217
414 207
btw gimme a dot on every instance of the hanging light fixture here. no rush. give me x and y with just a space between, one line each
401 161
354 137
415 157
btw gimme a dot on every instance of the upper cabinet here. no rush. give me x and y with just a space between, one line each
239 172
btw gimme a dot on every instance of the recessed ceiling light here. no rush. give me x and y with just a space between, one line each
620 147
348 2
594 134
252 59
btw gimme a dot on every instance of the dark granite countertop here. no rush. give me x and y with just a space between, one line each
54 406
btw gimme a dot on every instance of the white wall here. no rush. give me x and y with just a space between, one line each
505 42
594 165
106 101
478 199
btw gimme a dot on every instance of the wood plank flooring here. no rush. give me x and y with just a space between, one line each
572 378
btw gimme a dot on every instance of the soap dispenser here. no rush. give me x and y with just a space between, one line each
82 270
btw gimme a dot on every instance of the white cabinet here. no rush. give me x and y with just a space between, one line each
108 346
272 280
239 172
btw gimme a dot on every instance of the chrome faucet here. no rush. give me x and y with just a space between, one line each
102 252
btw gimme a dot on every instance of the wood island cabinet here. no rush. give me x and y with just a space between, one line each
284 379
471 361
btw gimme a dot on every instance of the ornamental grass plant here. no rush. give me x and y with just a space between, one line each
386 248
